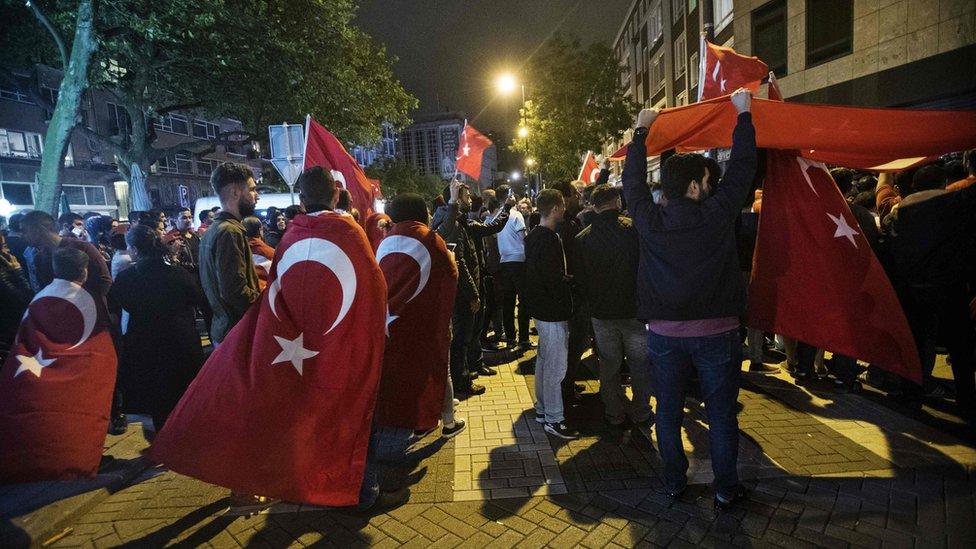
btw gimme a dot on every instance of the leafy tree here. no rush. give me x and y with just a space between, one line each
576 104
258 61
399 176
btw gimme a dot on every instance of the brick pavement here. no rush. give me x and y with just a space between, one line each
825 470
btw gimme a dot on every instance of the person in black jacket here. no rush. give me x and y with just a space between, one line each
549 300
605 271
691 292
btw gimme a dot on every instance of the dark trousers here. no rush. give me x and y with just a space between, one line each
512 277
843 367
465 347
943 311
718 360
492 307
580 338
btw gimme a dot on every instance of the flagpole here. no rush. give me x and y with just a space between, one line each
701 65
459 147
583 167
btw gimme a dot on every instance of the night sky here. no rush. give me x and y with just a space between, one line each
450 51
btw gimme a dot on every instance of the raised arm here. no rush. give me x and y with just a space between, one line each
741 170
636 192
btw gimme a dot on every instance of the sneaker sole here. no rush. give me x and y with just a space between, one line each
540 419
455 433
555 433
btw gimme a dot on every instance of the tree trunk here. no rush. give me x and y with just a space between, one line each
73 84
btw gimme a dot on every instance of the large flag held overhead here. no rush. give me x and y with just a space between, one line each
322 148
806 230
421 279
56 388
723 71
283 406
590 171
470 151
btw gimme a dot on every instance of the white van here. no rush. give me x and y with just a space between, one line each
265 201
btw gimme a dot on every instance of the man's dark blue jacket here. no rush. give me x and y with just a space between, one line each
689 268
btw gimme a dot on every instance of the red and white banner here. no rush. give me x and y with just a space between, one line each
283 406
322 148
56 388
590 171
722 71
421 279
471 151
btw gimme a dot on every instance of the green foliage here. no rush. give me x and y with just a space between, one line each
576 103
398 176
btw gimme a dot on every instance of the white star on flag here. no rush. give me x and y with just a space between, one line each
389 320
294 351
843 229
33 364
466 149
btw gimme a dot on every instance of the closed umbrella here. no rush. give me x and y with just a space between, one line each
137 185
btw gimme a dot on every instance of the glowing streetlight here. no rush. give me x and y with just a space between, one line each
515 176
523 132
530 162
506 84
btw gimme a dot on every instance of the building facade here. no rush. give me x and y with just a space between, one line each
876 53
658 45
383 150
430 145
91 180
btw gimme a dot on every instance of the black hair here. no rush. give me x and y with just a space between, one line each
866 183
117 240
68 218
928 178
446 193
135 216
69 263
229 173
679 171
408 207
204 216
316 186
844 178
14 222
714 173
955 171
38 218
549 199
292 211
345 200
502 192
252 226
604 194
865 199
565 188
148 218
146 241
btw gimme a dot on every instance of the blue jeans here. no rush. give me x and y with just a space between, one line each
718 359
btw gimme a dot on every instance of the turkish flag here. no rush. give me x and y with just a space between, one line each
283 406
376 227
56 388
816 279
323 149
590 171
470 151
723 71
772 91
421 279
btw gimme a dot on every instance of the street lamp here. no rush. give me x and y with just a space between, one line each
530 162
515 176
506 84
523 132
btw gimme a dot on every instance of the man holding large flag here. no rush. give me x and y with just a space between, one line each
322 148
283 408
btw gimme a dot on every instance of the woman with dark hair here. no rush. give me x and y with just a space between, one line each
274 226
161 351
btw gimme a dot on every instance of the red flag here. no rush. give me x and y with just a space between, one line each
422 279
471 148
590 171
283 406
376 227
723 71
772 91
56 388
816 278
323 149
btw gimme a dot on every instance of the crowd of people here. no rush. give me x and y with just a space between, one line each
651 277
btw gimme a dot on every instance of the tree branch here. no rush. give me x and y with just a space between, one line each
46 23
92 134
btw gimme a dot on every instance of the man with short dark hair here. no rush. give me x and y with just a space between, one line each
206 218
691 292
71 225
317 190
41 234
605 270
549 300
70 264
15 238
184 241
226 266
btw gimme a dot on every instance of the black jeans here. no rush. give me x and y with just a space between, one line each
512 277
465 346
943 312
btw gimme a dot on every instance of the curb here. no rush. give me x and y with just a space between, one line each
43 525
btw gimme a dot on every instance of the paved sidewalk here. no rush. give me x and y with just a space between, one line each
825 470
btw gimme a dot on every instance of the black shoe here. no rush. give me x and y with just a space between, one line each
579 387
486 371
526 345
560 430
491 347
421 433
760 368
449 432
540 418
118 425
673 495
473 389
724 503
385 502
